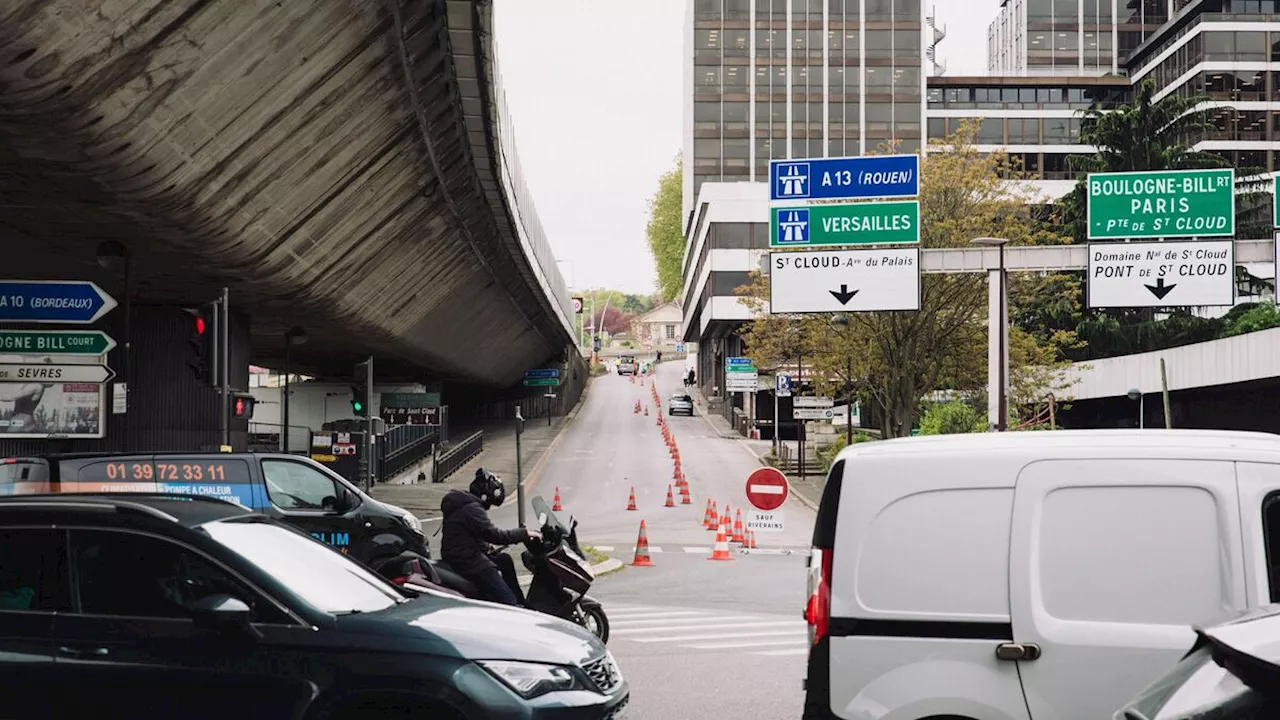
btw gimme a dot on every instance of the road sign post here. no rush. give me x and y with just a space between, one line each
1161 204
843 178
56 342
865 223
844 281
71 302
767 491
48 373
1164 274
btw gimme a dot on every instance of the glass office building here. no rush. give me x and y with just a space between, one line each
771 79
1072 37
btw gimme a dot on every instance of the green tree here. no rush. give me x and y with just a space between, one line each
951 418
1250 318
666 231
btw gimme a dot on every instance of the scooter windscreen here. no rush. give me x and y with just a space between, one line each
545 517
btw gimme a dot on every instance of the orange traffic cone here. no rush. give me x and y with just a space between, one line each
737 529
684 495
631 501
556 503
646 411
751 540
642 549
709 518
721 551
671 501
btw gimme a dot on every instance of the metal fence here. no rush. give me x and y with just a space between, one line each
450 461
404 445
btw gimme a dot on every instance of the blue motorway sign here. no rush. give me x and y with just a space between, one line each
544 373
737 361
53 301
869 176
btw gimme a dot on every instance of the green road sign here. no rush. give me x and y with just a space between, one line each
1162 204
866 223
56 342
541 382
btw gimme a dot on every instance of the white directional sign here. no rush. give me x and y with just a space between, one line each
812 413
765 520
1161 274
46 373
812 402
844 281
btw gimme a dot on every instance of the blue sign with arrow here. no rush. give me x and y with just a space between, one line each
544 373
71 302
849 178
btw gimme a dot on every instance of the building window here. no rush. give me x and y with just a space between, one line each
671 332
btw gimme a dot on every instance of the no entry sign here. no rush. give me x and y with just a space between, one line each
767 488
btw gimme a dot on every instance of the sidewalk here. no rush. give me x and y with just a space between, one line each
807 491
498 456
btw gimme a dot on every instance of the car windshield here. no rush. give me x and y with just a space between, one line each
323 578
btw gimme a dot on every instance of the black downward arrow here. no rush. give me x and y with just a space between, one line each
844 295
1160 289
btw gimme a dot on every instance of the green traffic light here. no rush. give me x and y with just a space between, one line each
357 405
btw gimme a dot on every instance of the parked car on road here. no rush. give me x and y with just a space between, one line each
1232 673
1031 576
293 489
171 606
680 403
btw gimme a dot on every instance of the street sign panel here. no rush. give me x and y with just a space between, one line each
742 382
1164 274
844 281
543 373
813 402
843 178
765 521
55 342
812 413
1161 204
409 400
47 373
410 416
541 382
738 361
867 223
767 488
53 301
782 386
577 305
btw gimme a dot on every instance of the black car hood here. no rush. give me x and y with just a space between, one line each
474 630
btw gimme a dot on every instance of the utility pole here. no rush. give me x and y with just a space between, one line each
519 469
368 425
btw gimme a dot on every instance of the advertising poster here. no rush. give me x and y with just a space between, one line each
51 410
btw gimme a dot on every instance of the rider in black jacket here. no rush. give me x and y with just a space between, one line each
469 536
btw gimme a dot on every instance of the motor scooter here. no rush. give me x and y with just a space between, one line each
561 575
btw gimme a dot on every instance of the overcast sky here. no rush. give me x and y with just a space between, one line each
594 88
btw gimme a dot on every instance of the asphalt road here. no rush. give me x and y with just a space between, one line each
695 637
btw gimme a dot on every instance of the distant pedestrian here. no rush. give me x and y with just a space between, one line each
692 379
659 356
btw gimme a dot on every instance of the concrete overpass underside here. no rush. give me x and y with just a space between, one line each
333 162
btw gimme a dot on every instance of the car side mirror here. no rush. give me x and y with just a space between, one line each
340 502
223 613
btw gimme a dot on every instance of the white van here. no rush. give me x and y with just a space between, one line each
1034 575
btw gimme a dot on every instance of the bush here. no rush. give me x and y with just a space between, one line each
951 418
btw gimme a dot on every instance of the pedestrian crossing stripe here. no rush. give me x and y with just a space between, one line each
706 550
709 630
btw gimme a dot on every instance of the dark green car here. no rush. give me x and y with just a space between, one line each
185 607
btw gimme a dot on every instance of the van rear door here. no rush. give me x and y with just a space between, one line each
1112 561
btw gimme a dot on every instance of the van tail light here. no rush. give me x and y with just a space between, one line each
818 611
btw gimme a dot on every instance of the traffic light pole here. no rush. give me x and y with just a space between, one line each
368 424
224 363
519 470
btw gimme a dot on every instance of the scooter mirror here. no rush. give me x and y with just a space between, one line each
542 520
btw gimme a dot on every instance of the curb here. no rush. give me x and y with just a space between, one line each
536 471
611 565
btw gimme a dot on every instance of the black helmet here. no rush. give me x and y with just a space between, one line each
488 487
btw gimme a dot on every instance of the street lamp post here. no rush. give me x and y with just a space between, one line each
999 324
295 336
1137 395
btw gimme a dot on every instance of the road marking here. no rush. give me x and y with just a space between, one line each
604 548
698 550
623 615
700 618
716 636
754 643
796 651
694 624
654 548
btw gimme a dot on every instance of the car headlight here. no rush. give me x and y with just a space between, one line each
413 522
530 680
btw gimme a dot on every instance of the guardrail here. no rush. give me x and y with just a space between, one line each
455 457
405 445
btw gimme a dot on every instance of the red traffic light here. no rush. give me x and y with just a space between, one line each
239 407
200 326
242 406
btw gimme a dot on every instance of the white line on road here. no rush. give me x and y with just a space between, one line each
698 550
694 625
795 651
754 643
699 618
623 615
605 548
716 636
